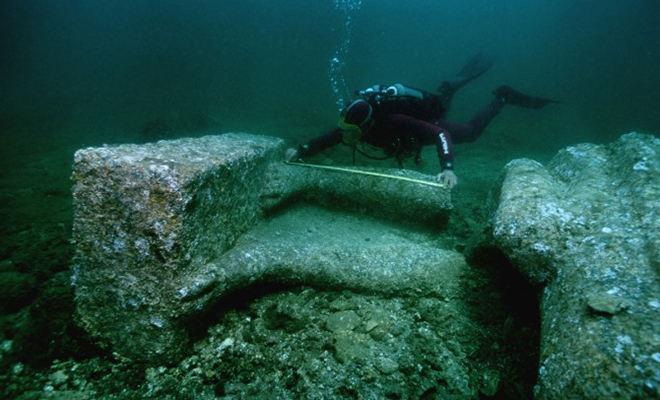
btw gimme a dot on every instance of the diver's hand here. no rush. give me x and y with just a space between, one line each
447 178
291 155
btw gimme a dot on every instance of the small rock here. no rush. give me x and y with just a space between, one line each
371 324
343 321
341 304
17 368
386 365
351 347
6 346
490 383
605 304
58 378
225 344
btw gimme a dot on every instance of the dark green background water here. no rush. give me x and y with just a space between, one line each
89 71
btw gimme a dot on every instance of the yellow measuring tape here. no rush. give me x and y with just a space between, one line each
357 171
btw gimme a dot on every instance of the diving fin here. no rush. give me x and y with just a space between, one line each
515 98
473 69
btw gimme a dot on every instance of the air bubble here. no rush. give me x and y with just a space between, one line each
337 63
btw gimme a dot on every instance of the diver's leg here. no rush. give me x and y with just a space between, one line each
471 131
474 68
515 98
503 95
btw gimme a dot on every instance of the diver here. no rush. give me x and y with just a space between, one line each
397 121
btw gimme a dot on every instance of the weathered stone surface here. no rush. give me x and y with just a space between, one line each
160 233
587 226
144 216
338 252
391 198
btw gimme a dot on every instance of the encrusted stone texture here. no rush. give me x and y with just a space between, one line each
158 231
144 215
408 269
390 198
587 227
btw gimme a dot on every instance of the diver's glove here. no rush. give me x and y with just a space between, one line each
293 155
447 178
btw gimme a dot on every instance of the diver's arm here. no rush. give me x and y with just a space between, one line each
445 150
428 134
446 156
315 145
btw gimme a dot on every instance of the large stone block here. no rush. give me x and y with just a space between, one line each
160 235
587 227
144 216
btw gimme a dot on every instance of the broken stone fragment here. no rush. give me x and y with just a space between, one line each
343 321
371 325
588 224
606 304
352 347
386 365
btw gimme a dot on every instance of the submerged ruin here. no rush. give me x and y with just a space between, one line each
176 241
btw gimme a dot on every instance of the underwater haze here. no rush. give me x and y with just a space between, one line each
90 71
80 73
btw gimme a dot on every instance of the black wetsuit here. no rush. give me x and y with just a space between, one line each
400 135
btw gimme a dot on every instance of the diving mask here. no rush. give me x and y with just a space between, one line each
356 120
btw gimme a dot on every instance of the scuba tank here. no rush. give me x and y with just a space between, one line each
378 92
401 99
